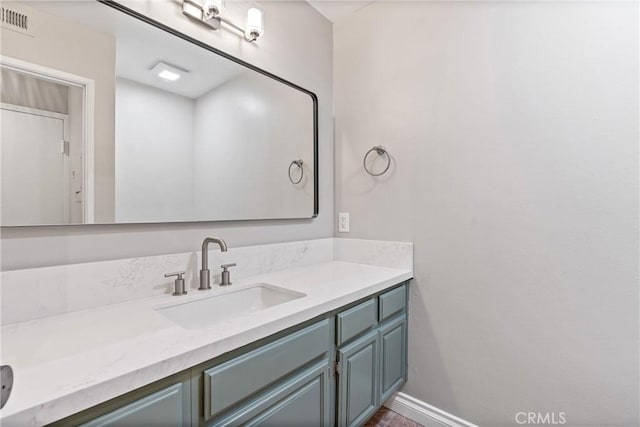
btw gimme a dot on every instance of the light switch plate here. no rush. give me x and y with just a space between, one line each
343 222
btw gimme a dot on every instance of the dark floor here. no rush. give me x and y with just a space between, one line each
387 418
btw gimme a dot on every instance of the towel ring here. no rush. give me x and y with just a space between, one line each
381 150
298 163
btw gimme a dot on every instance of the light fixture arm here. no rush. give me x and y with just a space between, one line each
250 38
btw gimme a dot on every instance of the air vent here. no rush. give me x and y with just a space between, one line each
16 20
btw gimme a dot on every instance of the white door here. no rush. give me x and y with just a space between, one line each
33 169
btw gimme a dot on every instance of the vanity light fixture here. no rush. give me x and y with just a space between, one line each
168 72
210 13
255 23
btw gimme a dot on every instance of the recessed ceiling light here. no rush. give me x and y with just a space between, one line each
168 72
168 75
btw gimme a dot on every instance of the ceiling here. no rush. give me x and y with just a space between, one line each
334 11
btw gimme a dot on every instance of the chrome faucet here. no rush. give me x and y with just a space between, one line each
205 275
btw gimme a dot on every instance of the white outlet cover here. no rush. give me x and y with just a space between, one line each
343 222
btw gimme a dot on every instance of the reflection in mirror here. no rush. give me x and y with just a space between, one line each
41 171
106 118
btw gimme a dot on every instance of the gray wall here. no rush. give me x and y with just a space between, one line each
250 128
286 51
154 153
514 131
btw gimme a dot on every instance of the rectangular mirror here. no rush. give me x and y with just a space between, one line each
109 118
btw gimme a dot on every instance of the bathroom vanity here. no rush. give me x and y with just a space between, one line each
314 332
335 369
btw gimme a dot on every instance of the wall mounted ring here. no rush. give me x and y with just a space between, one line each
381 150
299 164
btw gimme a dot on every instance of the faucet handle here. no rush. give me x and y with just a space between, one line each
178 274
178 283
226 276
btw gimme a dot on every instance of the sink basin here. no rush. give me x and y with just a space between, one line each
219 308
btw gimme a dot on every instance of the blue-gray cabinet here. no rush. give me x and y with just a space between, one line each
334 370
372 362
356 320
301 400
393 303
358 373
288 377
167 407
393 356
165 403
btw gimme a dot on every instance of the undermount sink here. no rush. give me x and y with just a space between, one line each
219 308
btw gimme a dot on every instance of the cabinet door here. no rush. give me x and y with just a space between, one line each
393 356
302 400
358 380
167 407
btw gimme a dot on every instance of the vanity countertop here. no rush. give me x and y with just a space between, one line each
67 363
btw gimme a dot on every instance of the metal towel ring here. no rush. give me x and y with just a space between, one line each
381 150
298 163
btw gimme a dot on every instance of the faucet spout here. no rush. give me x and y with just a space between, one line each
205 276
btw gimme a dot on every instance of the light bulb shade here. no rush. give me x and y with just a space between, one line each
212 8
255 23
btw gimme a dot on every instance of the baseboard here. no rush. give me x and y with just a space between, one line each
423 413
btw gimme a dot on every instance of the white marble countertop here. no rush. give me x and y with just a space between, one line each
67 363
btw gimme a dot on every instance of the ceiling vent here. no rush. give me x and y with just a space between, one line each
16 20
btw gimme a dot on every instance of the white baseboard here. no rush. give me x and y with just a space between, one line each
423 413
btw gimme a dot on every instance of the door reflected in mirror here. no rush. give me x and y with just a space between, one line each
108 119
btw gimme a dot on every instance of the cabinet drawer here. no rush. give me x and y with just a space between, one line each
356 320
393 302
239 378
164 408
299 401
